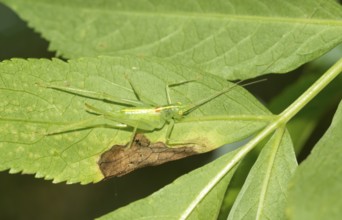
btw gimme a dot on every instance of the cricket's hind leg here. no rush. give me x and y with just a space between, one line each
93 95
97 122
146 101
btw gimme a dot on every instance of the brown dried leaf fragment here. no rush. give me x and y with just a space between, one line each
120 160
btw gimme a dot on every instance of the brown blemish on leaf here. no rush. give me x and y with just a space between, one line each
120 160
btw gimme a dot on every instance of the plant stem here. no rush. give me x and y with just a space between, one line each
294 108
310 93
279 121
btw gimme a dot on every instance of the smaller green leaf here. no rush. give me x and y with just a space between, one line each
263 194
238 179
196 195
315 191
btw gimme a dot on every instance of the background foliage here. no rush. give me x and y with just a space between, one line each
313 33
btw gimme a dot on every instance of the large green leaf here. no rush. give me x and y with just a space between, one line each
28 111
197 195
315 190
263 194
234 39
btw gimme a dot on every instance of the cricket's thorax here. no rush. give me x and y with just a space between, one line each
149 118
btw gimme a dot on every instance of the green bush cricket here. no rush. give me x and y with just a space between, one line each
141 116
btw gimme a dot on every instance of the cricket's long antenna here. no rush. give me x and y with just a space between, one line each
192 107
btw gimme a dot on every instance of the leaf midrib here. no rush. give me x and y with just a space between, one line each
215 16
229 17
270 167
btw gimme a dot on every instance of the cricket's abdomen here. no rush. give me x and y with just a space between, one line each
143 118
140 111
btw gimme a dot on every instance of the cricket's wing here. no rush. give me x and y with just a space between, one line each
141 118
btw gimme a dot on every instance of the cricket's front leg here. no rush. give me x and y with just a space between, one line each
170 142
169 130
167 89
130 143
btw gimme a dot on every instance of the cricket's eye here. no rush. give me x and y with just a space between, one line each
180 112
